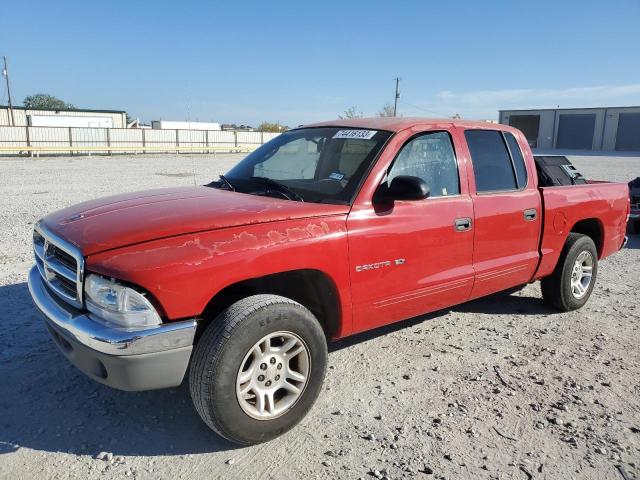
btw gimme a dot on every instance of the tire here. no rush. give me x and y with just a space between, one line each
229 343
557 289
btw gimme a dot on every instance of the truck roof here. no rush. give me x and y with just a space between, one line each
396 124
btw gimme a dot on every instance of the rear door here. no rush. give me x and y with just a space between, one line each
410 258
507 211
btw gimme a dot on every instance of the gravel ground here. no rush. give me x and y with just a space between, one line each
502 387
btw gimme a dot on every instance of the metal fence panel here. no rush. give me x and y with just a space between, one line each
73 139
48 136
125 137
88 137
160 138
13 137
221 137
249 137
267 136
192 137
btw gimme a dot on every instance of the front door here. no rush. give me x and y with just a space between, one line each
414 256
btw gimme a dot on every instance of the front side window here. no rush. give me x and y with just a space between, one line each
429 156
492 165
325 164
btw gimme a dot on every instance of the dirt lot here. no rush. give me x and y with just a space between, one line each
502 387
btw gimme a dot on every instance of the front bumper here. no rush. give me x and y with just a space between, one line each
156 357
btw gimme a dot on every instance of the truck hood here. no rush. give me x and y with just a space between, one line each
112 222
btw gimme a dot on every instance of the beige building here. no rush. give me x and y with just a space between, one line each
23 117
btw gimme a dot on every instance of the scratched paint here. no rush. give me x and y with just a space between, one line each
183 273
249 241
138 217
160 255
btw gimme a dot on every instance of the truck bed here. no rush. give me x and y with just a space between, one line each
597 205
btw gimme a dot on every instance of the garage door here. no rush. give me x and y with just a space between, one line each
628 136
529 125
575 131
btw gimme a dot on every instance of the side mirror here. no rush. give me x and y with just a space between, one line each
407 187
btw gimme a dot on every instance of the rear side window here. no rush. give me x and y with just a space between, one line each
429 156
518 160
491 161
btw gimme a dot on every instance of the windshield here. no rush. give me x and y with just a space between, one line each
324 164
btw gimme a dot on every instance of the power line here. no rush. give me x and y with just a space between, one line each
440 114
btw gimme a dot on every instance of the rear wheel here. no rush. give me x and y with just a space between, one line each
258 368
570 285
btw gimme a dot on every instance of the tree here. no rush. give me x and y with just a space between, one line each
130 119
43 100
386 111
351 112
271 127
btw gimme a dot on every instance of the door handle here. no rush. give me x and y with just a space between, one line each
462 224
530 214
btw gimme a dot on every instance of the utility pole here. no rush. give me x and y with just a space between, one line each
5 72
395 103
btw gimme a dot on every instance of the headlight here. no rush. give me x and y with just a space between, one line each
118 304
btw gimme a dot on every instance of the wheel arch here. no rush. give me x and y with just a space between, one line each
592 228
311 288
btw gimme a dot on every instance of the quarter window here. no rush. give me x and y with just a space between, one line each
518 160
492 165
430 157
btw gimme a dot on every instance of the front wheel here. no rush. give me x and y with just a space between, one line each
258 368
571 283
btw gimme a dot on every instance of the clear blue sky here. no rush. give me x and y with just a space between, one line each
298 62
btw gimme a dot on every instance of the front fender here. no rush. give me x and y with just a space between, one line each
184 272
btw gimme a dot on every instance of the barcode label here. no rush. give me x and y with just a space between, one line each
359 134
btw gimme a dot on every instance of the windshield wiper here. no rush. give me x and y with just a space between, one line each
280 186
226 181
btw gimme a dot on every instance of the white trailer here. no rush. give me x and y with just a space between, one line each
69 121
170 125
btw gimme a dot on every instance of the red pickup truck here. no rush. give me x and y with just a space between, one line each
326 231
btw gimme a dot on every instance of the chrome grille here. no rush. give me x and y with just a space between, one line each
61 265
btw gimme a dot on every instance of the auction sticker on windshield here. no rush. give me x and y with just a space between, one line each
359 134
